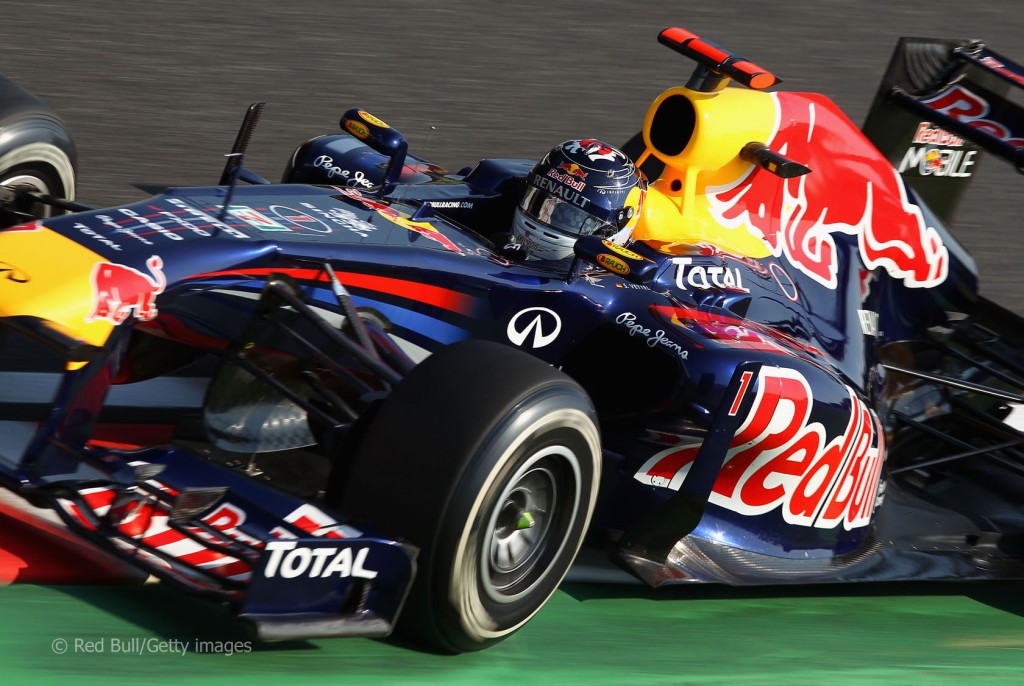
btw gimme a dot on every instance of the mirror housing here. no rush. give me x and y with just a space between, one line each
620 261
379 136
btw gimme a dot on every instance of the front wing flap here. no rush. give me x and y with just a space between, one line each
285 564
340 587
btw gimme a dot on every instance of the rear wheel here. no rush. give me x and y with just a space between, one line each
488 460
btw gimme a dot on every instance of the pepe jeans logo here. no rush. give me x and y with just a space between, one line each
538 324
326 162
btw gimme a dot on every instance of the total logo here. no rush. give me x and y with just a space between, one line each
703 278
537 326
290 560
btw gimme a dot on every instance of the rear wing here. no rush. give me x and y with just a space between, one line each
940 103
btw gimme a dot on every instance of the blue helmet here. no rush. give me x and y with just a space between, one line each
581 187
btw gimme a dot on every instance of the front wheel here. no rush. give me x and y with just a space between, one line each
489 460
36 151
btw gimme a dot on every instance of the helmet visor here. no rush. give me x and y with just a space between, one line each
562 216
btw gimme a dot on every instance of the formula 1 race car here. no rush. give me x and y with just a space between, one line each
387 414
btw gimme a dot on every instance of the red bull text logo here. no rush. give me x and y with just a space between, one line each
971 109
780 460
613 264
936 152
928 133
851 190
567 178
119 290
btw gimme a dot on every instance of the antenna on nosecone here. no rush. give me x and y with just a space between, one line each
233 165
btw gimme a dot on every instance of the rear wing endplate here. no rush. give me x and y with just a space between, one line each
940 102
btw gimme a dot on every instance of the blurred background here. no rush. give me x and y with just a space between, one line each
154 92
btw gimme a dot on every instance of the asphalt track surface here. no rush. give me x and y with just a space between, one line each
153 92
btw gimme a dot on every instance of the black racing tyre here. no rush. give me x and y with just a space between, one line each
488 460
36 149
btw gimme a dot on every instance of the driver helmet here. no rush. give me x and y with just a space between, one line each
580 188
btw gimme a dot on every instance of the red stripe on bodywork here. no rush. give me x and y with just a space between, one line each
36 551
437 296
668 466
130 436
764 338
231 569
169 326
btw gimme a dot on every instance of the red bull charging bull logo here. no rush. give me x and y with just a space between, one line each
573 169
425 229
119 290
852 189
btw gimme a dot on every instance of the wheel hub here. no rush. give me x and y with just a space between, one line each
524 529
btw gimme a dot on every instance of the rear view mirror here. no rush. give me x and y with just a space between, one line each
379 136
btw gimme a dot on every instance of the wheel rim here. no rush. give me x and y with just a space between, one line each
27 179
523 521
37 183
528 524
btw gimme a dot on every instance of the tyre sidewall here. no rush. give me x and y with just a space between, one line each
556 417
35 141
44 159
433 458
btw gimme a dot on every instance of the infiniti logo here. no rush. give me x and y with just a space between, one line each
539 324
12 273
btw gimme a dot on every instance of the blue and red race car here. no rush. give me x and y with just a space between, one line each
784 374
